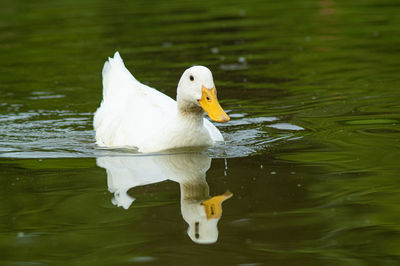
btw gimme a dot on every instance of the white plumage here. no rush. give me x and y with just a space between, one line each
135 115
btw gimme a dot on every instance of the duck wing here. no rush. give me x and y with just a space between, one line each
119 86
130 109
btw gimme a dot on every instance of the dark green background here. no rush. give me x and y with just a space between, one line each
325 195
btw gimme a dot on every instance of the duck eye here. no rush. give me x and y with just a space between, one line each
191 78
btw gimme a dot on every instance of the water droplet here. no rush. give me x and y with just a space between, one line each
167 44
214 50
142 259
242 60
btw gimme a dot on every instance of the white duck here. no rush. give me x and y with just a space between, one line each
135 115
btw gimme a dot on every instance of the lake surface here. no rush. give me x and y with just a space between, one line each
311 154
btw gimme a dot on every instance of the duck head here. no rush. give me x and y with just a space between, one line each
202 217
196 89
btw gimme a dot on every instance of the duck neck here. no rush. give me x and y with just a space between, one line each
190 111
195 190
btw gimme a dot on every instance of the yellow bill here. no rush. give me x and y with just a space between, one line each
209 103
213 206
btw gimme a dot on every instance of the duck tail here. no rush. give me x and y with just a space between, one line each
114 74
113 62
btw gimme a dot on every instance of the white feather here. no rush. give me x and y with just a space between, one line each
135 115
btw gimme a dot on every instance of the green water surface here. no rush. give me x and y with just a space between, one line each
311 154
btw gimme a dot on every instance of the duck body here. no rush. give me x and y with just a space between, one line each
134 115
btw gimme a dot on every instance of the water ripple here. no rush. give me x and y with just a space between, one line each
50 134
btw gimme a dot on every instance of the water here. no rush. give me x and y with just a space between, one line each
311 155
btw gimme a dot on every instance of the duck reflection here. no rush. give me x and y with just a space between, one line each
200 211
